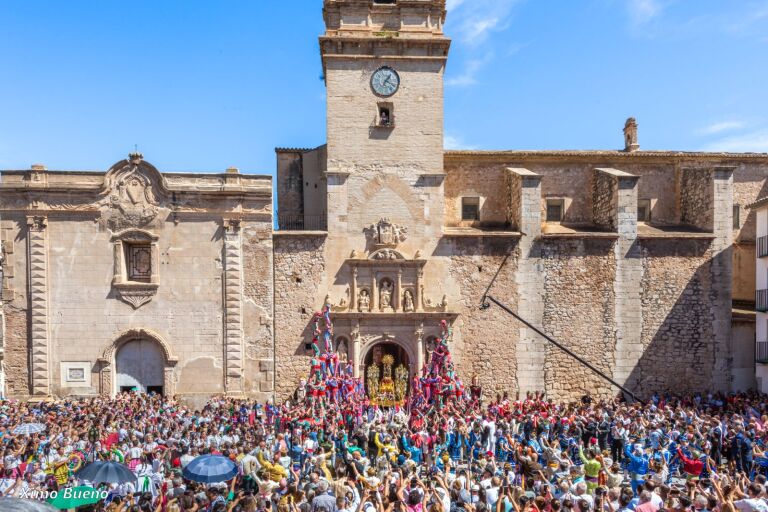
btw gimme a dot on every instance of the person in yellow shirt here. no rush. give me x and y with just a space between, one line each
274 470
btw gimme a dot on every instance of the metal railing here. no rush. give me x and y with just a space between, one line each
761 300
762 246
301 222
761 351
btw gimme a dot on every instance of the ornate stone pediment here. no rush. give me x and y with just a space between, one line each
132 188
386 234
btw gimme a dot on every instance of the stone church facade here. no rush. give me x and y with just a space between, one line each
189 284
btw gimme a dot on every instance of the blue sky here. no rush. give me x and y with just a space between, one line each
200 86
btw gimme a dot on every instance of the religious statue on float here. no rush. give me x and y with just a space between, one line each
386 394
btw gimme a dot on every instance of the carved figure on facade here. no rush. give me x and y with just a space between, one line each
408 305
364 301
387 254
386 233
385 294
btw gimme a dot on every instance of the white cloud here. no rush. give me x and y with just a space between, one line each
474 21
723 126
454 142
453 4
643 11
469 75
754 142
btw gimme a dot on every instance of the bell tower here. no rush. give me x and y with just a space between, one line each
383 63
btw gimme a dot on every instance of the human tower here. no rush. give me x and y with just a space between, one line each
332 381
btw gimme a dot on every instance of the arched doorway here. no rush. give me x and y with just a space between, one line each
139 366
387 373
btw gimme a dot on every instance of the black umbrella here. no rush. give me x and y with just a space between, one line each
106 472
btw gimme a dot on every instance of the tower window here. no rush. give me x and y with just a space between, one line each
385 114
643 210
555 209
470 208
736 216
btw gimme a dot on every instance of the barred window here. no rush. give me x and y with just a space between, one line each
138 258
555 209
470 208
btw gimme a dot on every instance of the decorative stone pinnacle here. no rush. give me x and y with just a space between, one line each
630 135
233 170
135 157
38 167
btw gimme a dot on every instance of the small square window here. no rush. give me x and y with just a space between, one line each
644 210
138 259
736 216
555 209
385 114
470 208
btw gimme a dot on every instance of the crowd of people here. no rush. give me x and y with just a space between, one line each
442 449
703 452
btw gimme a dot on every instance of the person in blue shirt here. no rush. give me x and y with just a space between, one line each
637 465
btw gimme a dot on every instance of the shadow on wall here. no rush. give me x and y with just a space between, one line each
679 348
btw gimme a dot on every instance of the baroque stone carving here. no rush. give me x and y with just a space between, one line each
364 301
387 254
408 301
384 233
132 201
136 295
385 294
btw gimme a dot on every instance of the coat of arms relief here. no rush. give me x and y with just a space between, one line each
131 202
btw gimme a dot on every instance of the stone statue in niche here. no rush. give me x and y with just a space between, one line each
386 294
342 347
408 301
364 301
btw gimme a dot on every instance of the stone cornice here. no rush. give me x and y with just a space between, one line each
591 155
223 184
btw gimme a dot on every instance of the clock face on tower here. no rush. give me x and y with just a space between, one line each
385 81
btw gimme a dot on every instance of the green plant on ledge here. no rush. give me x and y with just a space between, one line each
386 33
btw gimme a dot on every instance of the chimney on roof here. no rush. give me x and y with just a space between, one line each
630 135
232 170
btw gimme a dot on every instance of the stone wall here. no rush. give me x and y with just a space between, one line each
579 313
300 268
677 331
488 339
604 200
258 303
696 198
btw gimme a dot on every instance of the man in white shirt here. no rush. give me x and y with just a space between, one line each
753 503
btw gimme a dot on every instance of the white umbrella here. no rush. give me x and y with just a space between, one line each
29 428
